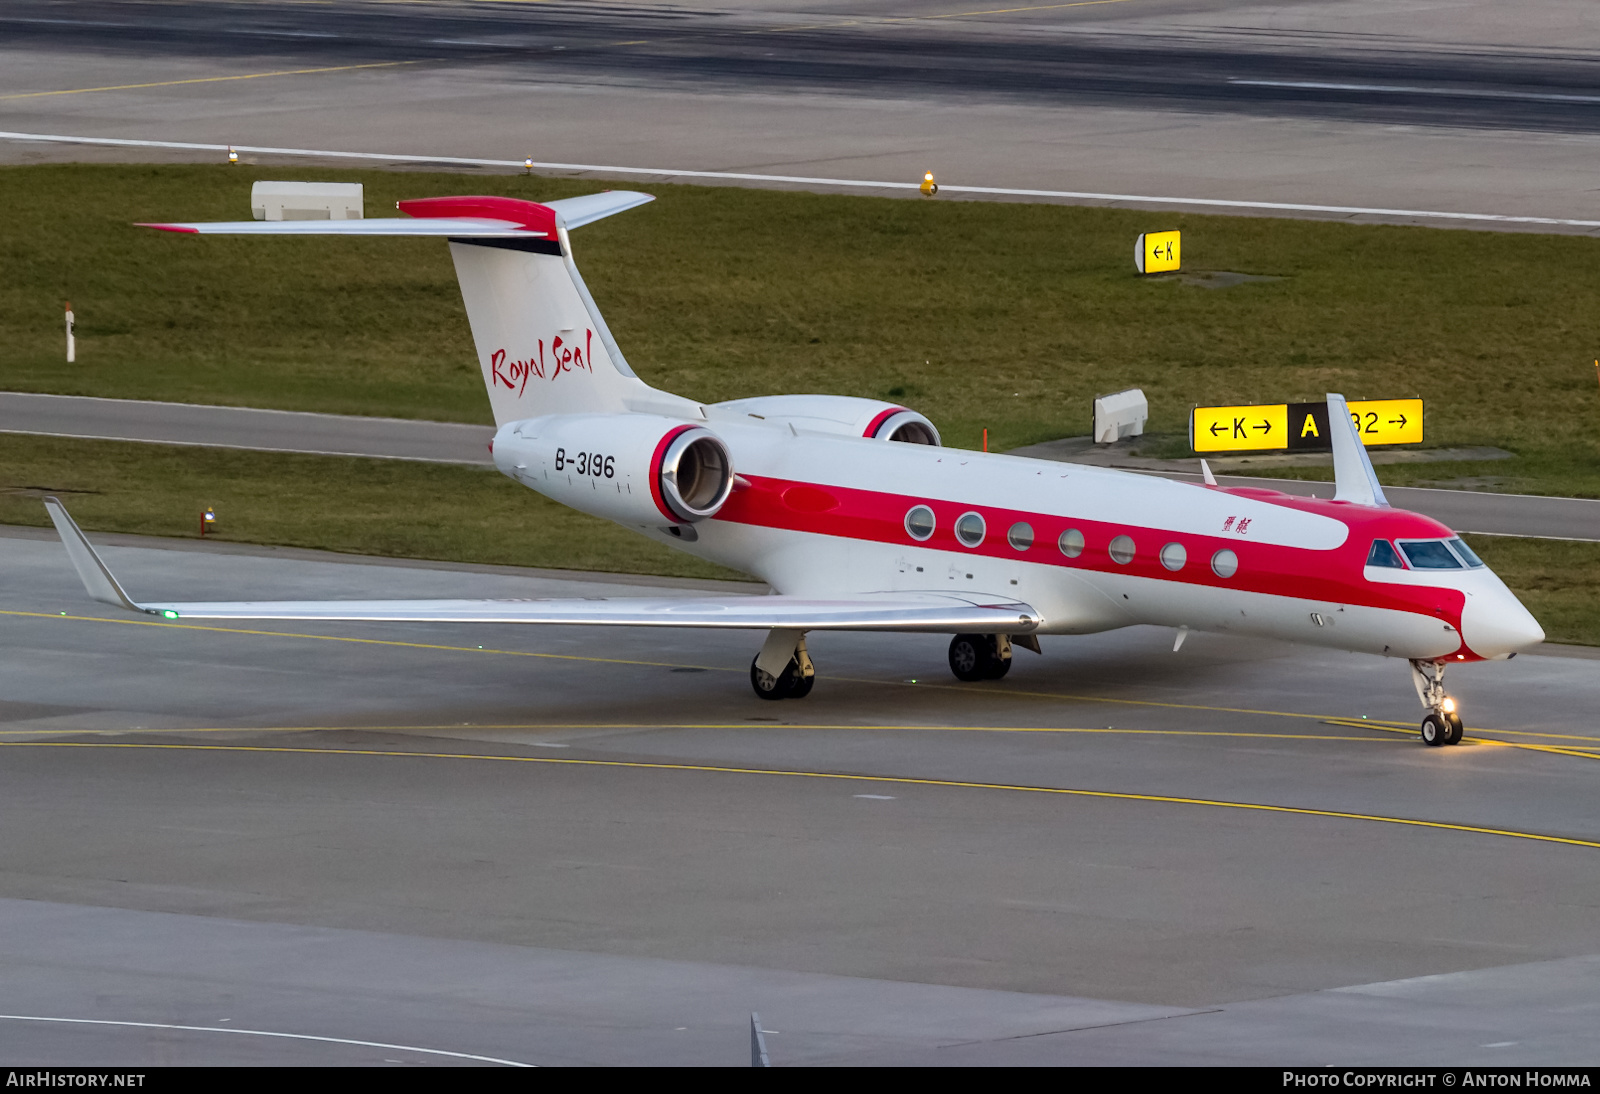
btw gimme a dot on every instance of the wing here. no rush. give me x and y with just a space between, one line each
973 613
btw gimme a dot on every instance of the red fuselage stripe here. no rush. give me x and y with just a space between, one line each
1332 576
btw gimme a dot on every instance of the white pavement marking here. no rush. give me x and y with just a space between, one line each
807 180
266 1033
1452 92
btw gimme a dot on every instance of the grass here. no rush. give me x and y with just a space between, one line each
371 507
394 508
1009 317
1558 581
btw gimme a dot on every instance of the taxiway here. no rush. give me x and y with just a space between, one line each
585 845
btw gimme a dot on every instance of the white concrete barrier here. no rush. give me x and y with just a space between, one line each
306 201
1120 415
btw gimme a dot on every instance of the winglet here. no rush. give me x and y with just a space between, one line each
1353 477
1205 470
96 578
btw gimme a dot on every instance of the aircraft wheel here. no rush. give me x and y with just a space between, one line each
802 686
998 667
1435 730
972 657
781 686
1457 730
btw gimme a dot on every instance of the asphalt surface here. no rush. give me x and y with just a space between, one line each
288 431
1462 105
244 427
877 48
549 846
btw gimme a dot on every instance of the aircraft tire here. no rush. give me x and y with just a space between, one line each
767 686
971 656
802 686
1457 730
1435 730
998 667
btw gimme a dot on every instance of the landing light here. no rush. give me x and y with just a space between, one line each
1449 706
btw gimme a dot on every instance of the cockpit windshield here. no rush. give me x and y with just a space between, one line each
1429 554
1382 554
1467 554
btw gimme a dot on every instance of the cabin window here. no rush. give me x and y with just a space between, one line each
1021 535
1224 563
1429 554
969 529
1382 554
1468 555
1173 556
919 522
1121 550
1071 543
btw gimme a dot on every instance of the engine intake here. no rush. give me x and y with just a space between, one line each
642 470
694 473
908 427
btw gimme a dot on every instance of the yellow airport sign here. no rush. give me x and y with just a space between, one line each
1301 426
1388 421
1158 252
1240 428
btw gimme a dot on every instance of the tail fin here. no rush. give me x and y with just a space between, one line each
542 344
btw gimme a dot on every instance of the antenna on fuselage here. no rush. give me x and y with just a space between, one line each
1353 477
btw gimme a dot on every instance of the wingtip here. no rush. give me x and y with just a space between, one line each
97 578
187 229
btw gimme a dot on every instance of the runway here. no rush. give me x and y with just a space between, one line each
1455 107
557 846
450 442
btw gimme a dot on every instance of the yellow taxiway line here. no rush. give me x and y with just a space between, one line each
1339 720
886 780
624 726
203 80
1009 692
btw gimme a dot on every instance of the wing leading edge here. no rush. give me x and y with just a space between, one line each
914 611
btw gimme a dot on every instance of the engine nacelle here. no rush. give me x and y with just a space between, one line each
636 469
839 414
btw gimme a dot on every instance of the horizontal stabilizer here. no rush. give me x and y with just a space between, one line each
871 612
576 212
439 227
486 217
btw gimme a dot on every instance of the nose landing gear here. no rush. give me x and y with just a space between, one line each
1441 725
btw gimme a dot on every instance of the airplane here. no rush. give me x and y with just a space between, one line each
859 519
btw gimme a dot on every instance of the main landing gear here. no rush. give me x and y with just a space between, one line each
783 668
1441 725
986 656
980 656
